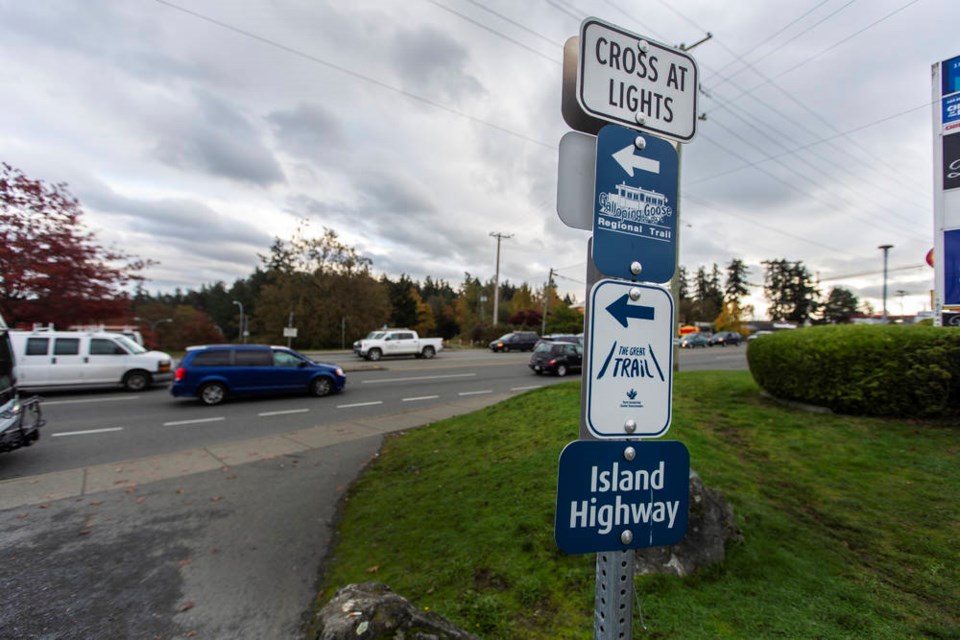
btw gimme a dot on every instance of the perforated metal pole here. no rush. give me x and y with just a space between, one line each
613 606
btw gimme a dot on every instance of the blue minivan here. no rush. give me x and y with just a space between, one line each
212 373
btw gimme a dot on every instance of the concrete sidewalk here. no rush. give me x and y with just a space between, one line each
225 541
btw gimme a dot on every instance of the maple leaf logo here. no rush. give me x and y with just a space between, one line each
632 394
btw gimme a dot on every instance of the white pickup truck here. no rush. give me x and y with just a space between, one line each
396 342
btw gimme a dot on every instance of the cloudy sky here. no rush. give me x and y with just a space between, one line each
195 131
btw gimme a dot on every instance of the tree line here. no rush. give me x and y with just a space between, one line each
53 271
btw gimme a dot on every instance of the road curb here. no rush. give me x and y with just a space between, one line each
74 483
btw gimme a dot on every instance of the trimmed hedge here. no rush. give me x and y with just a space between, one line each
874 370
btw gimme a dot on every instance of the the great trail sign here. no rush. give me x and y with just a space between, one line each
635 201
629 361
615 495
626 78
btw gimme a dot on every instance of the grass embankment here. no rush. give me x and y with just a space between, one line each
852 526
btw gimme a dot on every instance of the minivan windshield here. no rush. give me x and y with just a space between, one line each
129 344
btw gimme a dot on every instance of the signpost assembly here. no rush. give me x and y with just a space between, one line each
617 489
946 196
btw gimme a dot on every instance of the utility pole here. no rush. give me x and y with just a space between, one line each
886 252
546 301
242 337
496 280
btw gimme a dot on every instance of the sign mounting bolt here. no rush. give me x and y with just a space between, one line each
635 293
626 537
630 425
636 268
629 454
640 143
641 119
643 46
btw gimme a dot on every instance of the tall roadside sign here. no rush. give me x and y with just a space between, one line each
946 196
620 488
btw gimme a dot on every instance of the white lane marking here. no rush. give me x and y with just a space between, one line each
179 422
452 375
48 403
474 393
359 404
85 433
420 398
282 413
533 386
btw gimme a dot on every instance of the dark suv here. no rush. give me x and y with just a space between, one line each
724 338
214 372
516 341
556 357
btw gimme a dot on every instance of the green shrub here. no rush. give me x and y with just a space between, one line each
888 370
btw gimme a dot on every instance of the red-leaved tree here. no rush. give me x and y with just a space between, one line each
51 268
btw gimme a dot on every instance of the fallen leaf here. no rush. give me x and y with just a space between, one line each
141 499
216 498
85 532
374 569
185 607
95 503
184 563
44 506
22 515
231 477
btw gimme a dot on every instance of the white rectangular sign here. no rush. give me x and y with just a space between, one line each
634 81
630 360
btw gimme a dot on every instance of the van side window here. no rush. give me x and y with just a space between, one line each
219 358
251 358
103 347
66 347
286 359
37 346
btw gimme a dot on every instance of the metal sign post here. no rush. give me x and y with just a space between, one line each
616 492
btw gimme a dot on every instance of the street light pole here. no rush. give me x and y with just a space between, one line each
242 337
886 251
496 280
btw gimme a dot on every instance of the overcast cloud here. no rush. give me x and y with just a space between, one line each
193 133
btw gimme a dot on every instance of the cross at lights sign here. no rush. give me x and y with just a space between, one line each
628 79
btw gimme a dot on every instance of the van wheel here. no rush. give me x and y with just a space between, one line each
136 381
212 393
321 387
429 352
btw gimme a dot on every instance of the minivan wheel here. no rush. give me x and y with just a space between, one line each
136 380
321 386
561 370
212 393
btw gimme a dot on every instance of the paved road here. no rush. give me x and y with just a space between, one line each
222 535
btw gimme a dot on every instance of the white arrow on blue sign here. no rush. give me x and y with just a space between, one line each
630 360
635 205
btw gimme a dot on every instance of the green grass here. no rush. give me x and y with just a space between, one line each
851 526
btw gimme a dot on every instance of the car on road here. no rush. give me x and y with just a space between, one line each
397 342
756 334
693 340
51 359
556 357
724 338
515 341
213 373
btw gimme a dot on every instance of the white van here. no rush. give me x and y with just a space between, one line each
50 359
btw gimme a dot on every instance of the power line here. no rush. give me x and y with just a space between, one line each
353 74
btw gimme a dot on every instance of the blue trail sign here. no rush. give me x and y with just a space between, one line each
635 205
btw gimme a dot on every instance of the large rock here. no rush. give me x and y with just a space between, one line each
371 611
711 527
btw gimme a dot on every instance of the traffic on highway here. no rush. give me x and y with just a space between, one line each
103 426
